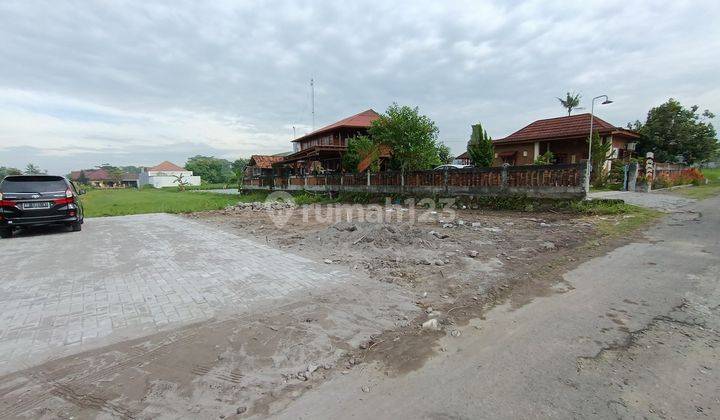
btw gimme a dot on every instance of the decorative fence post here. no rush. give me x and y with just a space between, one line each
368 178
650 169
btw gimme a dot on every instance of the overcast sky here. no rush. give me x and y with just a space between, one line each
137 82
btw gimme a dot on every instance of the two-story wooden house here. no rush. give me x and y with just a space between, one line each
323 149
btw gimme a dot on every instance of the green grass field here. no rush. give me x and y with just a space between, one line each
98 203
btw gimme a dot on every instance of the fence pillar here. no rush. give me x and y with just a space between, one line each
368 178
585 175
402 181
445 180
305 181
632 174
504 177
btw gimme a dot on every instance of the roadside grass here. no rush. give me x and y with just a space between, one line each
631 219
205 187
712 188
119 202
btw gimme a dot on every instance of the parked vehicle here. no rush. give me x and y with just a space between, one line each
451 166
36 200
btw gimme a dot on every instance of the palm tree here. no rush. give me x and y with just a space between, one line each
571 101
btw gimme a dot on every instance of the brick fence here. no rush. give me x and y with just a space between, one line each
553 181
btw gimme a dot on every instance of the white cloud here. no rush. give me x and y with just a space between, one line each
128 80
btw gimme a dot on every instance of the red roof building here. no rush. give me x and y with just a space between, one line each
566 137
166 167
101 178
324 147
259 165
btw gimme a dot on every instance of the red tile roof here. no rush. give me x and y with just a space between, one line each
361 120
264 161
570 126
91 175
166 167
100 175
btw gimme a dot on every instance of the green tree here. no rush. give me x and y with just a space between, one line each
411 137
210 169
444 154
480 147
600 153
116 175
5 171
32 169
82 178
571 101
675 133
238 168
359 148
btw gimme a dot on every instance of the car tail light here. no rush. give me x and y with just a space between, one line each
69 198
6 202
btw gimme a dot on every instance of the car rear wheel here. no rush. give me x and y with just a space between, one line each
77 226
5 233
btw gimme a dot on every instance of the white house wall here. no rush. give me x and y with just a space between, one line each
169 181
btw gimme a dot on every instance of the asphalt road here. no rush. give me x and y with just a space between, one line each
636 336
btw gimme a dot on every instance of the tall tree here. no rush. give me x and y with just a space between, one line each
32 169
238 168
210 169
600 153
82 178
480 147
116 175
412 137
570 102
675 133
360 148
445 154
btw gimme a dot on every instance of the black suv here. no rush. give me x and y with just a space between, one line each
35 200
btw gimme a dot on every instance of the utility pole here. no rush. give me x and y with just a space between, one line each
312 101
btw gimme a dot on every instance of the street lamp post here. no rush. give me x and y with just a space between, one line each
592 119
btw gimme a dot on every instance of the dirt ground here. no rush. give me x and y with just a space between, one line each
456 266
420 274
444 257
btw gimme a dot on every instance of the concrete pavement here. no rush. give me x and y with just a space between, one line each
131 276
654 200
635 336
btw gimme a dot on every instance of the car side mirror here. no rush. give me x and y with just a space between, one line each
81 192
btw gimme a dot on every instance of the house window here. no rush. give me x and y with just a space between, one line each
572 158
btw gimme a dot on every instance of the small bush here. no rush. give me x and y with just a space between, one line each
683 177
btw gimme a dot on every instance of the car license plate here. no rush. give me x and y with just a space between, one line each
37 205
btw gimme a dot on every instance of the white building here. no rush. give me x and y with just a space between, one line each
166 175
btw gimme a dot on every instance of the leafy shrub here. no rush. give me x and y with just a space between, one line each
683 177
546 158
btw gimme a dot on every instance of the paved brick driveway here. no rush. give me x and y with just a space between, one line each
126 277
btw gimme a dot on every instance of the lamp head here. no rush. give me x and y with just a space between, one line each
607 101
